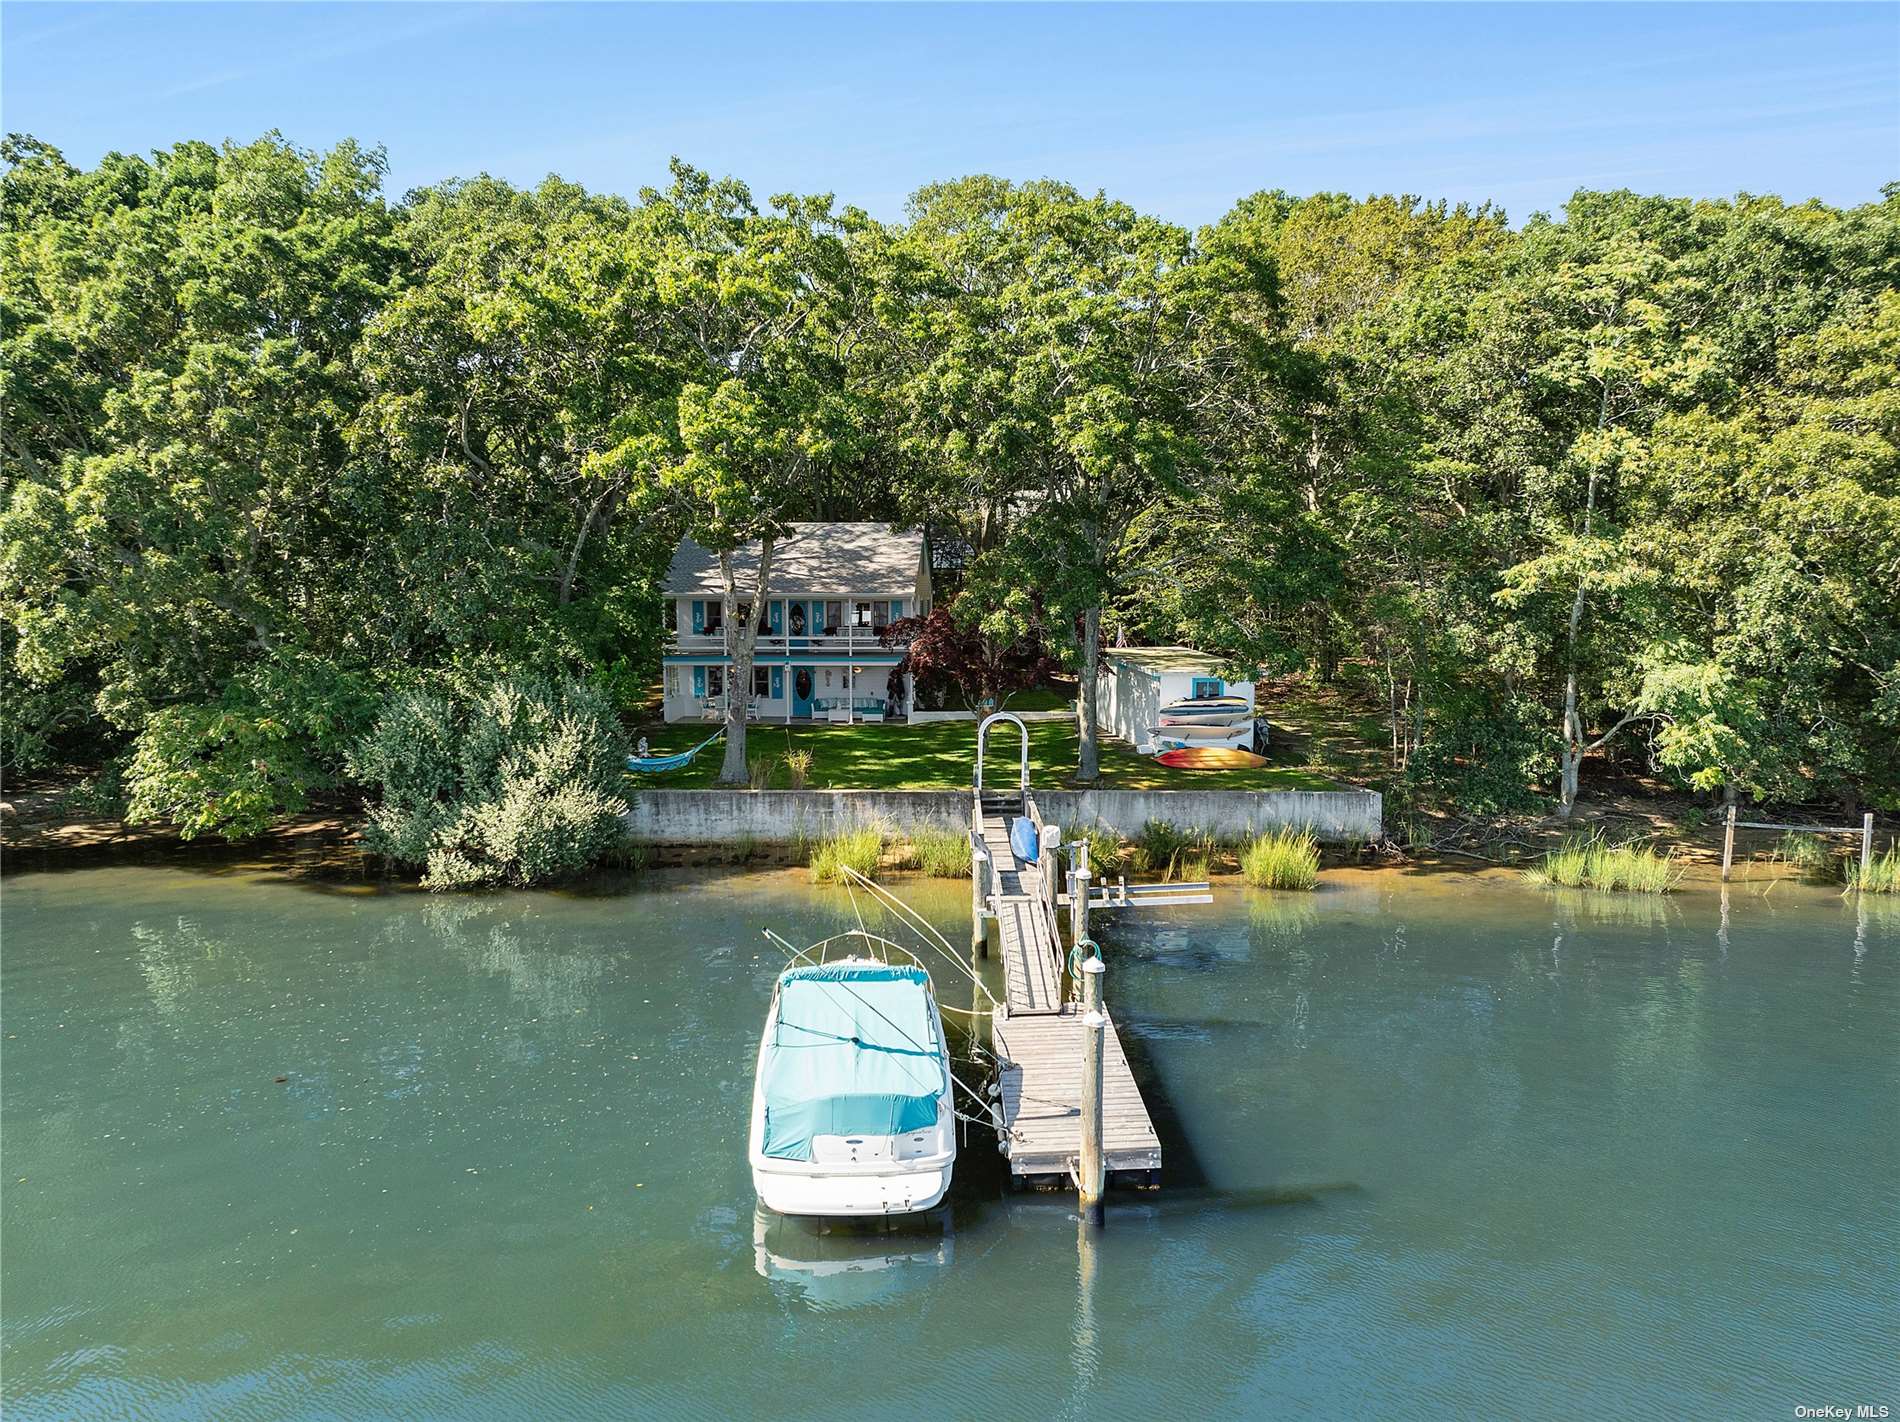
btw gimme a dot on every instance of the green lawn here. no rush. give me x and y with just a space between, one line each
940 755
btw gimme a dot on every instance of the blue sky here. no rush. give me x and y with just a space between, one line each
1179 109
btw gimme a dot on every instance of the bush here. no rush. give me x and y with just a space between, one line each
940 853
1882 876
517 784
1282 859
858 849
1589 863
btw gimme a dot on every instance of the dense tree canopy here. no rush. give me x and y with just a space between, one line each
281 454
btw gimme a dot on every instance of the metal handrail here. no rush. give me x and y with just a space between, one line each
982 738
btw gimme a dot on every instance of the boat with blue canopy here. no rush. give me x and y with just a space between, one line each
852 1110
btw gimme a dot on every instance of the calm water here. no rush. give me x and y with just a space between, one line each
1437 1146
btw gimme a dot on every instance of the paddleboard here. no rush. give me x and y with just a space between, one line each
1210 758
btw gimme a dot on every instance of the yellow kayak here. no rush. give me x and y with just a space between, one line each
1210 758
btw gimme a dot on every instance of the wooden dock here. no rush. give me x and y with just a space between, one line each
1038 1035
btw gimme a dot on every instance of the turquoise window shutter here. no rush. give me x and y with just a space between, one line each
778 682
699 673
778 618
699 620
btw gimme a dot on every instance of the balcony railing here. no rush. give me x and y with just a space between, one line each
846 641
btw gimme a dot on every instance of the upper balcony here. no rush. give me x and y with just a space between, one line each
843 641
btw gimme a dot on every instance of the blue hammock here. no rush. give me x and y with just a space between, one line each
654 764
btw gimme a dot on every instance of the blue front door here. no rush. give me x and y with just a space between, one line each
801 691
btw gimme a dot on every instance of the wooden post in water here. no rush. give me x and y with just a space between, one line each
1079 895
1866 844
1728 841
1090 1176
979 897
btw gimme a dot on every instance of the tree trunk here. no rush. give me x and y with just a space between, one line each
1089 761
742 636
1573 719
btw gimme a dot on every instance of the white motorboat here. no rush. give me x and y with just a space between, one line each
851 1105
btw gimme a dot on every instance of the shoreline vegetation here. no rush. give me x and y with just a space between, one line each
1541 528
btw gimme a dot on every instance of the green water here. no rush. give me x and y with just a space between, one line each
1436 1147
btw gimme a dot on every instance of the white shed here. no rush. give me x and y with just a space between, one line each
1142 680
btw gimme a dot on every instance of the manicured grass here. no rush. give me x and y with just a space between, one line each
1283 859
1589 863
940 755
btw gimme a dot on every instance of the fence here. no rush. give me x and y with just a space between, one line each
1865 829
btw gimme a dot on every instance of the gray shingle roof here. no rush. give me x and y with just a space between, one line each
815 559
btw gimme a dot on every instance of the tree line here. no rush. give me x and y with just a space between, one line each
279 450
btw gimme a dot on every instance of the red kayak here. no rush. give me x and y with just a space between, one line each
1210 758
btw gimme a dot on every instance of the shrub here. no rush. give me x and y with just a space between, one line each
515 784
1882 876
857 849
1586 862
941 853
1282 859
759 771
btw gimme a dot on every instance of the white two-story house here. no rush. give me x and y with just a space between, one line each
834 589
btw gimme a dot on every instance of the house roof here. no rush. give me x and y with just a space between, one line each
1167 659
813 560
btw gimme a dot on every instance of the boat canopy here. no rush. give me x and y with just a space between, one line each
854 1052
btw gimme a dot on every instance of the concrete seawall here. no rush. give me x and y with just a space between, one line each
724 816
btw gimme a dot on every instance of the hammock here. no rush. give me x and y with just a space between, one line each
654 764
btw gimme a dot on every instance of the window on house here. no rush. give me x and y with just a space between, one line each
861 614
1207 686
715 616
834 618
715 682
761 681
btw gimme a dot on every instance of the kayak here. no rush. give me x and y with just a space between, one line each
1210 758
1207 716
1190 734
1209 703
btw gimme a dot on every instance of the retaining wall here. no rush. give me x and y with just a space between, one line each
723 816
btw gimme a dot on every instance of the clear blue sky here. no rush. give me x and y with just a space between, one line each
1179 109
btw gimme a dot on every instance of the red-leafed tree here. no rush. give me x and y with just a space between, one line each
945 655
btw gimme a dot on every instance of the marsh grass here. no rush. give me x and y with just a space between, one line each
1586 862
1806 853
1882 876
798 767
940 853
1282 859
1156 847
1106 854
858 849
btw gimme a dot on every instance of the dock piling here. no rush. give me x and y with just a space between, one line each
1091 1177
1079 895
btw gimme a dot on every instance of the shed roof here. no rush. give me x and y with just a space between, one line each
814 559
1167 659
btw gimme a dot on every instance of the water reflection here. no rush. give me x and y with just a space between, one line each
837 1264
